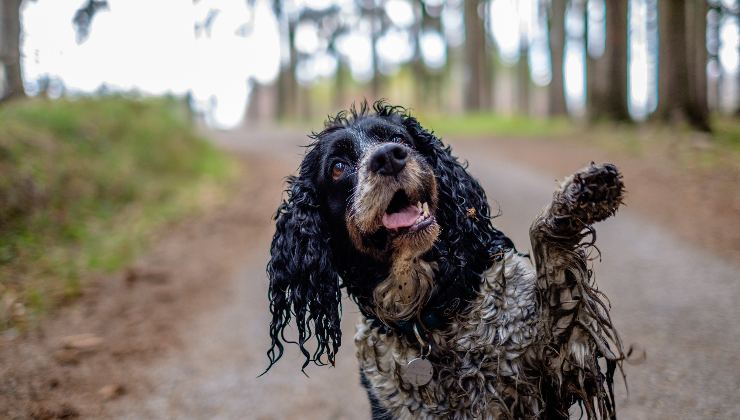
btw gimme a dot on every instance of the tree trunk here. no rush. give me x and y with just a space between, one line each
375 83
737 87
254 102
610 98
417 66
556 91
479 76
287 84
283 94
436 78
305 103
672 58
595 77
697 107
378 27
677 76
340 83
523 77
10 54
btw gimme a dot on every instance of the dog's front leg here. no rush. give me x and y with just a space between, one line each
577 330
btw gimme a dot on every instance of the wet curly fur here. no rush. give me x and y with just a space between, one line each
528 341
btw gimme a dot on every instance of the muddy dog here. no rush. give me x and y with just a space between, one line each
456 323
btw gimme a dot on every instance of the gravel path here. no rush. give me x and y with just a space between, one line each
677 302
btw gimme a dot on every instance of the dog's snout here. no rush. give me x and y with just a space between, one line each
389 159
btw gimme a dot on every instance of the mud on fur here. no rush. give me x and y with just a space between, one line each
506 338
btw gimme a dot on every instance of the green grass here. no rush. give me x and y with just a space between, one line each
85 184
485 125
490 125
720 149
727 132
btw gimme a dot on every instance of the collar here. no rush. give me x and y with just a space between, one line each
430 319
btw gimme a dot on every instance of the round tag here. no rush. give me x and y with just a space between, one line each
417 372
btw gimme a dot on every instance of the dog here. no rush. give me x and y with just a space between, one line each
456 323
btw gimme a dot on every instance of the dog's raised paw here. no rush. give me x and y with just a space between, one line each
588 196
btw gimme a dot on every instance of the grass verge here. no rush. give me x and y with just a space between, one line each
688 148
85 185
487 124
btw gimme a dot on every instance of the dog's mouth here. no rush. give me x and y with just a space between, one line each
403 217
393 215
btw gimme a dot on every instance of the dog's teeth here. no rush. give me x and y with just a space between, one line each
426 209
418 204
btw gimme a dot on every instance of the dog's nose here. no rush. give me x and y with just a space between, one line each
389 159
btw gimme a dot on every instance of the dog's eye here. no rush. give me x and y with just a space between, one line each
337 170
402 140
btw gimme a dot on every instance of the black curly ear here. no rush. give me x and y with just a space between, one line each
468 241
303 283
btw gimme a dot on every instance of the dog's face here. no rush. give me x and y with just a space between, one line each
379 188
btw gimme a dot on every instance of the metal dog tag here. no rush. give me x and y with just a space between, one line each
417 372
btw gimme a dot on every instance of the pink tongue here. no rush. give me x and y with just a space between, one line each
404 218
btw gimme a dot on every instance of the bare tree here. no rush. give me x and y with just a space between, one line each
595 72
609 97
10 37
427 81
697 105
10 54
342 77
677 74
330 27
556 31
375 11
421 75
479 72
287 86
523 79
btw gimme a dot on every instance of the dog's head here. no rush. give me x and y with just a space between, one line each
375 194
379 188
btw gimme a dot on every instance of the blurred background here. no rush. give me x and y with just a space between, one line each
590 59
144 147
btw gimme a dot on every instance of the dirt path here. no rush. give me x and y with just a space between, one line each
192 346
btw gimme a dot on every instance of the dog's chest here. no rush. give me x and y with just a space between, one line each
479 360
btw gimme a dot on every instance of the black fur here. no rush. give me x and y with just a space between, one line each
377 411
303 283
468 242
312 255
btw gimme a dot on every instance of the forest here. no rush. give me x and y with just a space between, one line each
669 61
